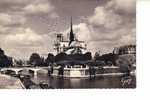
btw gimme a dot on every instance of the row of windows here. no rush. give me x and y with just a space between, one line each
131 49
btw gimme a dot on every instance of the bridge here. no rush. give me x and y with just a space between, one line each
18 70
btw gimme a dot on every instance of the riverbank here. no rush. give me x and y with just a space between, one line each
8 82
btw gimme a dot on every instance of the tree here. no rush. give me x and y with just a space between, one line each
97 54
35 59
88 56
1 52
50 59
109 58
5 61
19 62
61 56
42 61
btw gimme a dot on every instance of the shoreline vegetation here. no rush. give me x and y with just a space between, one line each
124 58
124 54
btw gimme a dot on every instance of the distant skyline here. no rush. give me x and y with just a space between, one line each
28 26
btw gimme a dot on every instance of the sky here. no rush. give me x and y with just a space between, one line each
28 26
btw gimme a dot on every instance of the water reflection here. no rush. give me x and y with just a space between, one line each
98 82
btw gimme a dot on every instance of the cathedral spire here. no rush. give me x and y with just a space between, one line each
71 30
71 38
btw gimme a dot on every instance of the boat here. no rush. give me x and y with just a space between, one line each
68 70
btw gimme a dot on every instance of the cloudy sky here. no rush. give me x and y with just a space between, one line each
28 26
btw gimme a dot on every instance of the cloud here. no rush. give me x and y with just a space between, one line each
113 14
28 7
107 27
26 37
124 6
129 38
14 1
3 29
81 31
27 41
7 19
106 18
11 23
17 34
103 41
38 8
12 5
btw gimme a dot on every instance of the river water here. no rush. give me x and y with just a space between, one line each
111 81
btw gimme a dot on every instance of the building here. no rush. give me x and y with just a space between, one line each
70 46
127 49
72 56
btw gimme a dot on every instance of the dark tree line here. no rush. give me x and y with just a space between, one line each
109 59
79 57
5 61
50 59
36 60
